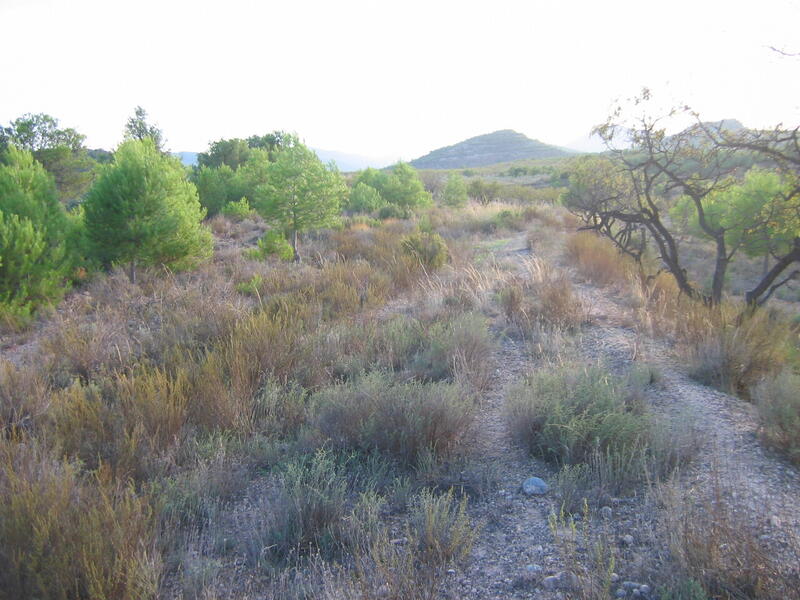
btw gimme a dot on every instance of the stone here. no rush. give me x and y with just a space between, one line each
775 521
565 580
637 593
533 569
630 585
614 578
534 486
606 513
627 539
551 582
401 541
645 589
620 593
383 591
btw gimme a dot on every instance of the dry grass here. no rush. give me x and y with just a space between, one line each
778 401
597 259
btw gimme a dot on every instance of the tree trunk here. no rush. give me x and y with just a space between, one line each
294 246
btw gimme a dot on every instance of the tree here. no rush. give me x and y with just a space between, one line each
34 228
630 198
300 193
142 210
60 151
218 187
137 128
231 152
455 192
364 199
483 191
400 187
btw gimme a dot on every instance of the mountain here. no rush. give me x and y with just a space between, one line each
501 146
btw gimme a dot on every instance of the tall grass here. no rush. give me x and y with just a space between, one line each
597 259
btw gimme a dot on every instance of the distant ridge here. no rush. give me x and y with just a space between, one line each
501 146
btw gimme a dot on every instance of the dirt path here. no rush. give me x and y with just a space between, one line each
516 549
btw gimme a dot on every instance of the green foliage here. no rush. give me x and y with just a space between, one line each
390 211
137 128
455 192
428 248
230 153
240 209
142 210
34 132
566 414
483 191
755 214
300 193
218 187
34 227
401 187
274 243
364 199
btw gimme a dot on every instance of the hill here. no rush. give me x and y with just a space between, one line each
501 146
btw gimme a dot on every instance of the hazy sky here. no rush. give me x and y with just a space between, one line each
391 79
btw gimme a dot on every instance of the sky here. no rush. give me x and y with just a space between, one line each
391 80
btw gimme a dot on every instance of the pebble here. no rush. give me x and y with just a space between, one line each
645 589
775 521
399 541
614 578
627 539
620 593
534 486
606 513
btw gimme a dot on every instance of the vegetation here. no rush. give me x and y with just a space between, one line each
143 211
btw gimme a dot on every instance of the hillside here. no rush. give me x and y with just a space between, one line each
501 146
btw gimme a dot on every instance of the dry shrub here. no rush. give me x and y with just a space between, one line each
597 259
554 300
66 536
133 423
456 346
403 421
24 398
737 352
714 540
778 401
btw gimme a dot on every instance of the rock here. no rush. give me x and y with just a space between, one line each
645 589
565 580
451 571
534 569
614 578
627 539
383 591
630 585
606 513
551 582
620 593
534 486
637 593
402 541
775 521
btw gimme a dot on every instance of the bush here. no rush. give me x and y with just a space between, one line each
405 422
567 414
444 532
34 231
733 354
238 210
364 199
597 259
427 248
392 211
65 536
778 401
273 243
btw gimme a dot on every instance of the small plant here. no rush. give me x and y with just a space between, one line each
273 243
597 259
427 248
443 528
238 210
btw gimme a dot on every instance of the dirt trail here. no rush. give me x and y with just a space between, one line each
516 549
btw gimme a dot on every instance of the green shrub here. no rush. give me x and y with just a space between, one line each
238 210
364 199
392 211
427 248
566 414
34 230
273 243
442 528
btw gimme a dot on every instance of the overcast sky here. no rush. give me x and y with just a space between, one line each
390 79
